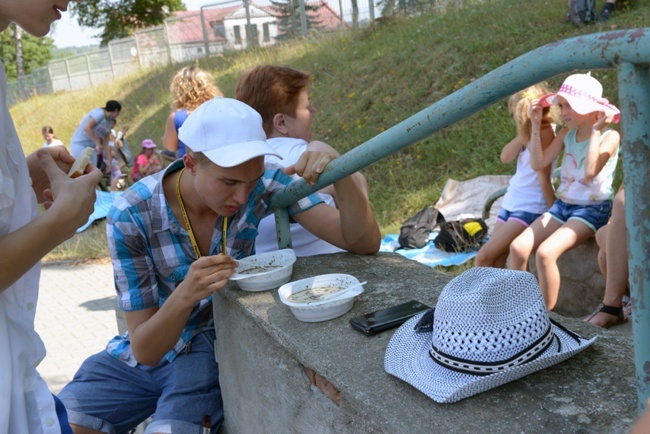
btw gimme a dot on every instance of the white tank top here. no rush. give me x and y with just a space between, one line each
524 192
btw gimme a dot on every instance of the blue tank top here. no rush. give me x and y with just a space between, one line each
179 118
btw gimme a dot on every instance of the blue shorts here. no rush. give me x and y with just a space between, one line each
110 396
523 217
594 216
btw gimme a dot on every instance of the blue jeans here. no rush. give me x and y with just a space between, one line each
594 216
523 217
110 396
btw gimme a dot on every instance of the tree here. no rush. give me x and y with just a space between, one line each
288 16
18 42
121 18
37 52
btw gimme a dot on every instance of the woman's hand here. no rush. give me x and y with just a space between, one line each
40 180
72 199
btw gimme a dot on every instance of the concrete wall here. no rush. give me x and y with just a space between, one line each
281 375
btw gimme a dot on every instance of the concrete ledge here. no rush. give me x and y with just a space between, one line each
281 375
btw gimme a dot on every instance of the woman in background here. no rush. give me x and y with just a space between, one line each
190 87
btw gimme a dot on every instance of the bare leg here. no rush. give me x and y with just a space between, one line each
617 267
564 239
495 252
601 239
526 243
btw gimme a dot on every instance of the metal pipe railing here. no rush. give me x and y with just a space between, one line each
627 50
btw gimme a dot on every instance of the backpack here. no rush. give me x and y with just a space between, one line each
414 233
582 12
461 235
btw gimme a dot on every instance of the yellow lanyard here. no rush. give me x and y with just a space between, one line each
188 225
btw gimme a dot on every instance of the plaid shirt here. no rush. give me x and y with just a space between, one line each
152 253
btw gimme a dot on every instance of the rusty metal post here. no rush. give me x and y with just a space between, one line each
634 94
282 224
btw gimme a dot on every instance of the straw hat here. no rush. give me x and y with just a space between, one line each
490 327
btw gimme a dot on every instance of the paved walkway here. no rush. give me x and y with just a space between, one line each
75 317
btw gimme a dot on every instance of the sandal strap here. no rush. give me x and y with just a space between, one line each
612 310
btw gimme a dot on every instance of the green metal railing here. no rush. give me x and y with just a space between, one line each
629 52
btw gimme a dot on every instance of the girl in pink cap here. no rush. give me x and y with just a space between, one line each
584 196
146 163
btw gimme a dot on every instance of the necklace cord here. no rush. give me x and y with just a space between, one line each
188 225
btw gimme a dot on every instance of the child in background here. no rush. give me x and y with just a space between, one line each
530 192
585 193
190 87
146 163
50 138
109 156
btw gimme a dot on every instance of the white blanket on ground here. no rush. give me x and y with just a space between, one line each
459 199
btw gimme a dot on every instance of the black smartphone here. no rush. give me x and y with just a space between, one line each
384 319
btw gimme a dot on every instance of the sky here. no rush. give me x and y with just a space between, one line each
67 33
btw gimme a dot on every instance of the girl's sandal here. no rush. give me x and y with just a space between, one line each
612 310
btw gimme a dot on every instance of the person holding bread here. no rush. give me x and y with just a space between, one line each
165 237
26 404
93 128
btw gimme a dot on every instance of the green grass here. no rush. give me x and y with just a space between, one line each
364 83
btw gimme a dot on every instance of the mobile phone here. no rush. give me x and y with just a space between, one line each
384 319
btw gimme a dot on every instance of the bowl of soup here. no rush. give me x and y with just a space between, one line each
317 298
264 271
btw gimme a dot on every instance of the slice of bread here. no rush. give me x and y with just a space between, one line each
79 166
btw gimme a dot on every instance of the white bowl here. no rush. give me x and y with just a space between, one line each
315 311
281 262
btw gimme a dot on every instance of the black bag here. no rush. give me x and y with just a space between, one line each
461 235
415 231
582 12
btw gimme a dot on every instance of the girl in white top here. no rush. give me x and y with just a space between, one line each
26 404
530 192
50 138
584 197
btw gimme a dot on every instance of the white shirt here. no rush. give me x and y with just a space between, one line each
55 142
304 242
26 404
524 191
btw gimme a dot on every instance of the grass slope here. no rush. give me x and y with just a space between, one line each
364 83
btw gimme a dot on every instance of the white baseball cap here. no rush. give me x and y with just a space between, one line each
227 131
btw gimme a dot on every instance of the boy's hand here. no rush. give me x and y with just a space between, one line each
206 275
313 161
310 165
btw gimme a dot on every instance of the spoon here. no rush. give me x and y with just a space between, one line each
338 295
240 276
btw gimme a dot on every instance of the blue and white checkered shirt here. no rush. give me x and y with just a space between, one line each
152 253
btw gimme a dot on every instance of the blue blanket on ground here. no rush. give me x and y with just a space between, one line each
429 254
103 203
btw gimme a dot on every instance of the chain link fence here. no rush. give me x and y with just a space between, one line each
219 27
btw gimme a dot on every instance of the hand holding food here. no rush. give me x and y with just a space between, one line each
79 166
